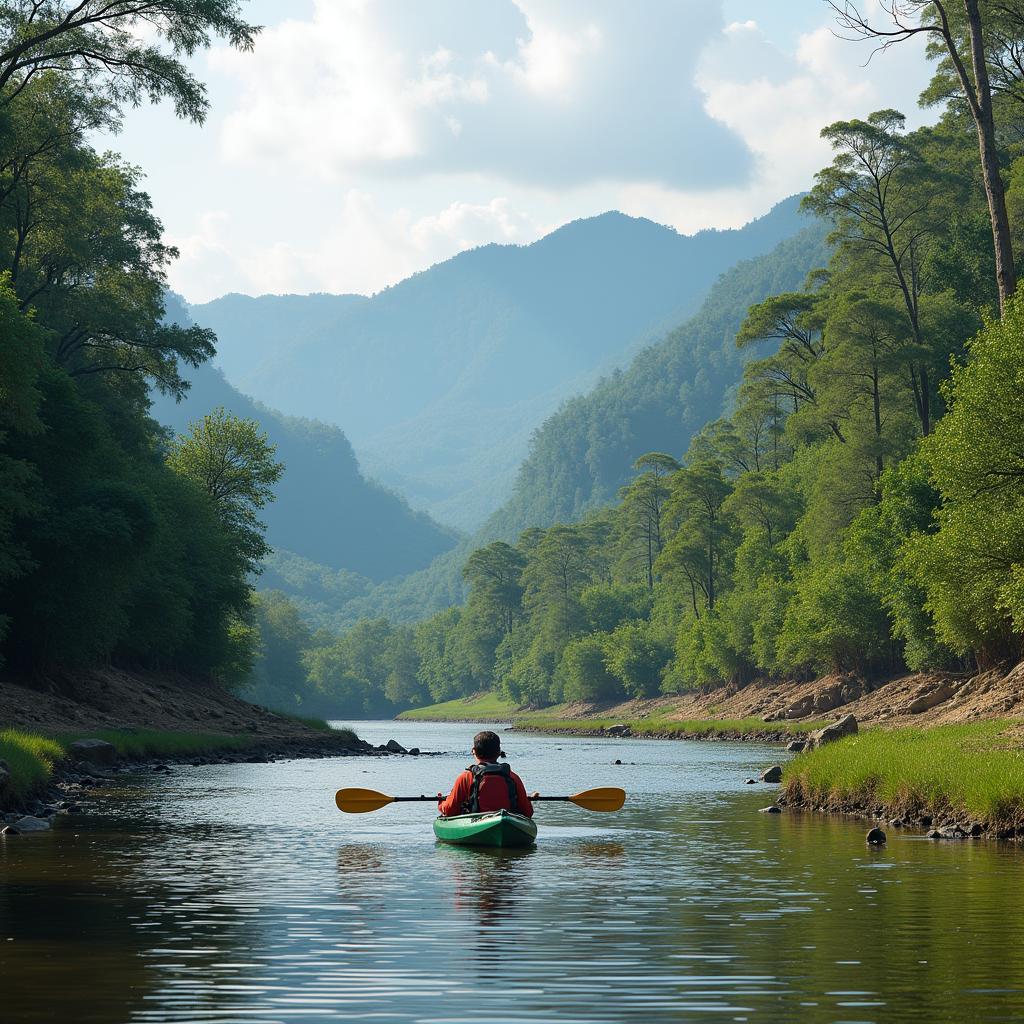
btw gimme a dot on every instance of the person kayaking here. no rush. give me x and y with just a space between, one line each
486 786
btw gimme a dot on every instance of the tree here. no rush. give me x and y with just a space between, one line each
90 40
878 192
697 547
961 39
494 574
231 460
972 567
642 503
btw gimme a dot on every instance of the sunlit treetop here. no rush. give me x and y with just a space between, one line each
131 50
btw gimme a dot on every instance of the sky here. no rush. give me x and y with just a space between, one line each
365 140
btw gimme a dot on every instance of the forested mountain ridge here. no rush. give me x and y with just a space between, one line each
251 330
440 379
584 452
326 510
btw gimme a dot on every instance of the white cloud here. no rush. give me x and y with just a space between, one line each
360 248
777 102
522 90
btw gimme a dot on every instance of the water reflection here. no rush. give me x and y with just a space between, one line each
236 893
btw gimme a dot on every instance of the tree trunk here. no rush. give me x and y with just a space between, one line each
981 108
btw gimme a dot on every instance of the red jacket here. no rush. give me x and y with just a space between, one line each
493 795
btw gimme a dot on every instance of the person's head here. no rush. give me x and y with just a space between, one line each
487 745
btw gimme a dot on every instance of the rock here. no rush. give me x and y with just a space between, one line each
617 761
773 774
750 782
26 824
896 823
618 730
93 751
796 746
415 751
975 829
875 837
932 698
828 699
801 708
846 726
773 809
394 747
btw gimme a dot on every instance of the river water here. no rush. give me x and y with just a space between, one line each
238 893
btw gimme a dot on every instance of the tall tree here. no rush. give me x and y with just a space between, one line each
960 37
231 460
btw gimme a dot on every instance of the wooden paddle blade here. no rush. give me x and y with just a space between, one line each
607 798
359 801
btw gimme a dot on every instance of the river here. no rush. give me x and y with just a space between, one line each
238 893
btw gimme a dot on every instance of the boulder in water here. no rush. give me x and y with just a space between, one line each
773 774
394 747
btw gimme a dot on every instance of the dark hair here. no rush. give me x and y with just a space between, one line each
487 745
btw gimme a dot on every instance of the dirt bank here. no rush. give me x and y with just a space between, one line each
116 699
922 699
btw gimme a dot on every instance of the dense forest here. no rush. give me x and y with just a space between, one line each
439 380
859 508
583 454
118 540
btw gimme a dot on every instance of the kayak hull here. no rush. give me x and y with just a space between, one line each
501 829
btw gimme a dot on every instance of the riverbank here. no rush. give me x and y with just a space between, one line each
952 780
766 708
138 720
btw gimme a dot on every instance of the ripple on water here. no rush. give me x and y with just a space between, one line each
238 893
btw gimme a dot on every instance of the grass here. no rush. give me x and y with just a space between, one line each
485 707
319 724
30 759
162 743
653 726
975 769
490 707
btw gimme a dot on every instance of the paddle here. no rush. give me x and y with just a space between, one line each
359 801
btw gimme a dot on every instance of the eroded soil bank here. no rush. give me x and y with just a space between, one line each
768 708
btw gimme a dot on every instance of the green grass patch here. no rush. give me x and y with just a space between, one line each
319 724
654 726
163 743
484 707
976 769
30 759
487 707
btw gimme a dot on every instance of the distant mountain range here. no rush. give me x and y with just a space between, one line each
441 380
326 512
583 453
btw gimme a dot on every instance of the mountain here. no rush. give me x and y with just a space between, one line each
326 511
440 380
583 453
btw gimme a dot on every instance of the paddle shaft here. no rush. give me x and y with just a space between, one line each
413 799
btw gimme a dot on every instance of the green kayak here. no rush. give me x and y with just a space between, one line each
498 828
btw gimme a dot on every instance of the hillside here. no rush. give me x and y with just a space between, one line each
583 453
440 380
326 511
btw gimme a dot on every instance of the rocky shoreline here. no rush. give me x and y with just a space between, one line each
948 824
91 763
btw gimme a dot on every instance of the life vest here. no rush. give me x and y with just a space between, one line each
478 771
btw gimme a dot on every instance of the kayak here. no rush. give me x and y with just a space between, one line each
498 828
